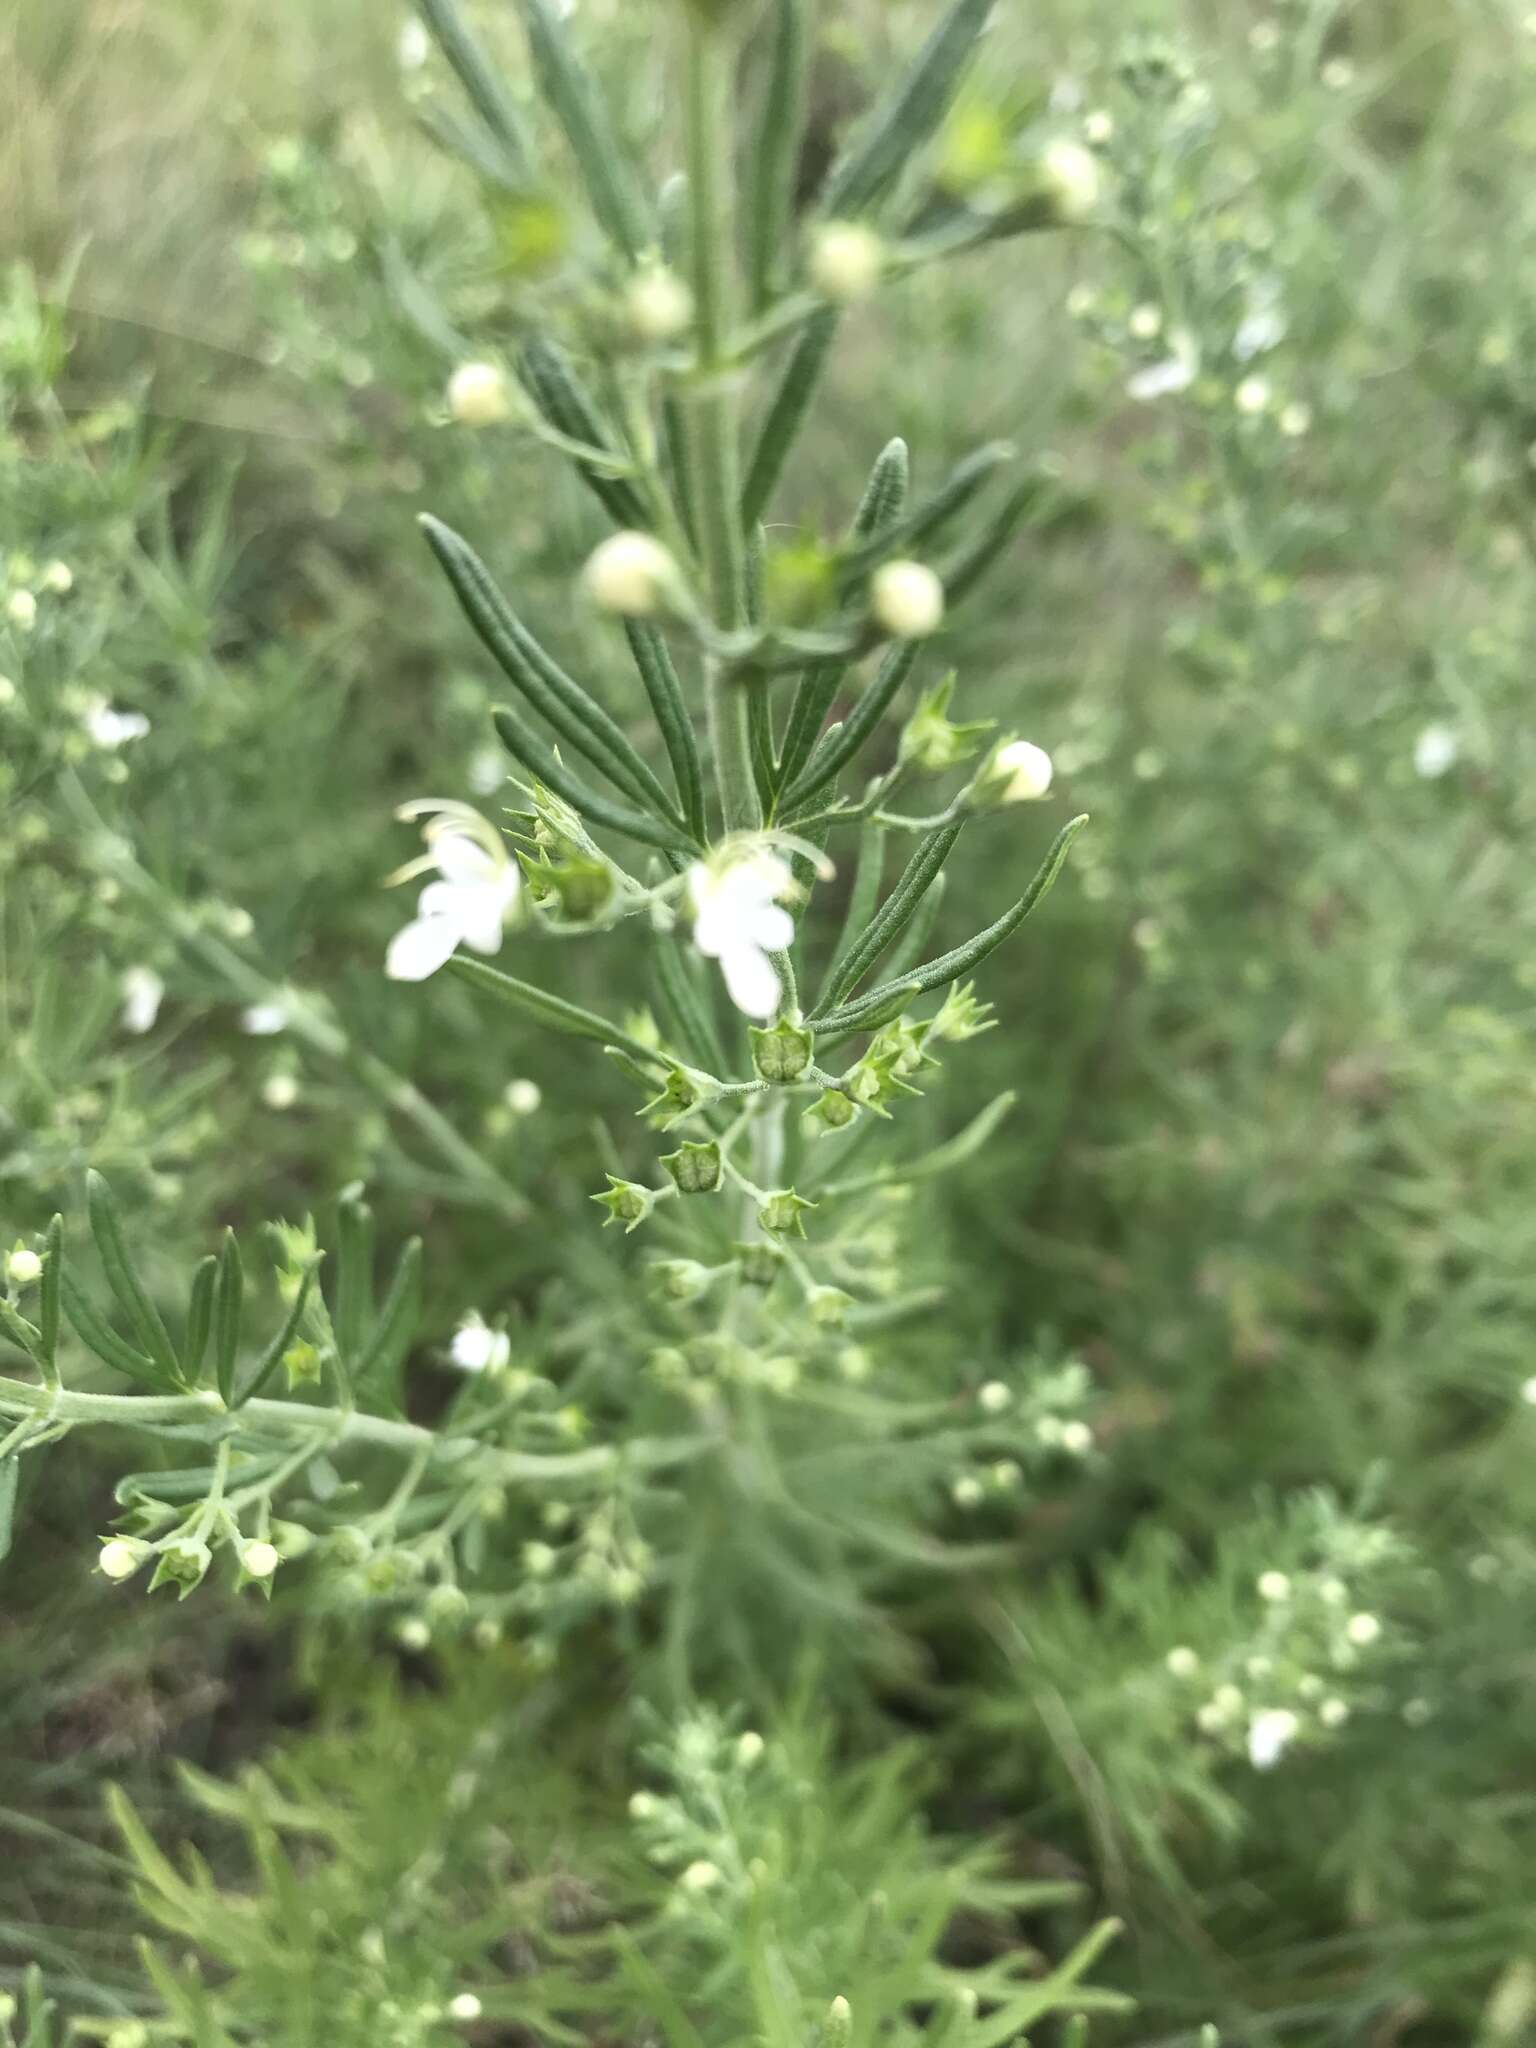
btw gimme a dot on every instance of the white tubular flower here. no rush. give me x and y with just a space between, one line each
907 599
1072 178
1270 1734
738 920
1025 770
479 395
106 726
476 1347
846 261
659 306
630 573
1175 373
1435 752
143 993
470 902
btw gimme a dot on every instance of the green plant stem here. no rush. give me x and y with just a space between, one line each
713 412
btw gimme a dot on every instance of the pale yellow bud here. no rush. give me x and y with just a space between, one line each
631 574
479 395
1025 771
846 261
121 1558
907 599
1072 178
23 1268
659 305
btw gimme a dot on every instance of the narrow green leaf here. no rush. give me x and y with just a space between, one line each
399 1316
24 1335
886 492
552 1011
467 141
107 1229
605 170
938 510
48 1297
786 413
909 118
228 1295
857 729
199 1317
862 899
895 914
272 1357
553 386
525 746
97 1335
578 718
966 567
10 1475
654 661
950 966
942 1159
776 145
354 1274
685 1010
483 88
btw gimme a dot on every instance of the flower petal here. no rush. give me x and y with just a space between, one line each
420 948
771 928
751 979
460 858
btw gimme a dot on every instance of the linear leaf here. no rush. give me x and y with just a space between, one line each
857 729
477 75
272 1357
48 1296
399 1315
228 1296
653 659
354 1274
524 745
553 386
776 146
966 567
107 1229
895 914
97 1335
572 98
682 1000
909 118
551 1011
199 1316
862 898
786 413
934 512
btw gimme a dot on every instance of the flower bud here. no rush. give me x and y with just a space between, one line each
632 574
782 1052
447 1604
21 610
846 261
1018 773
749 1747
23 1268
464 2006
838 2031
1071 178
658 305
695 1169
479 395
907 599
413 1634
259 1560
121 1557
681 1280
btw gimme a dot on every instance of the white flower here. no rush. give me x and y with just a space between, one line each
1435 752
1528 1393
1270 1733
1072 178
749 1747
23 1268
470 902
1338 74
1274 1586
476 1347
1099 127
1263 325
21 610
479 395
121 1558
1182 1661
631 574
1145 322
966 1491
907 599
1076 1439
109 727
522 1097
464 2006
702 1876
1333 1713
738 920
1252 396
993 1398
1026 769
1362 1630
259 1560
658 304
1295 419
280 1091
264 1020
413 45
1176 372
143 993
846 260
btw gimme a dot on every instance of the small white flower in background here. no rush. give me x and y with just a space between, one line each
659 306
738 920
487 771
1026 770
413 1634
1528 1393
121 1558
413 46
1270 1734
1076 1439
967 1491
749 1747
464 2006
1435 752
264 1020
21 610
1072 178
106 726
1338 74
522 1097
1264 36
907 599
1099 127
1263 325
1333 1713
1182 1661
1295 419
1252 396
846 261
59 578
7 691
23 1268
479 395
1175 373
469 904
1274 1586
259 1560
631 574
280 1091
1145 322
1334 1591
143 993
702 1876
1363 1630
994 1397
476 1347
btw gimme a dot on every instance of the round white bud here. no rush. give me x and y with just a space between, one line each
1252 396
1024 769
280 1091
642 1805
631 574
121 1558
907 599
479 395
59 578
846 261
522 1097
658 305
749 1747
1076 1438
465 2006
702 1876
1333 1713
23 1268
259 1560
966 1492
21 610
413 1634
1072 178
994 1397
1182 1661
1363 1630
1274 1586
